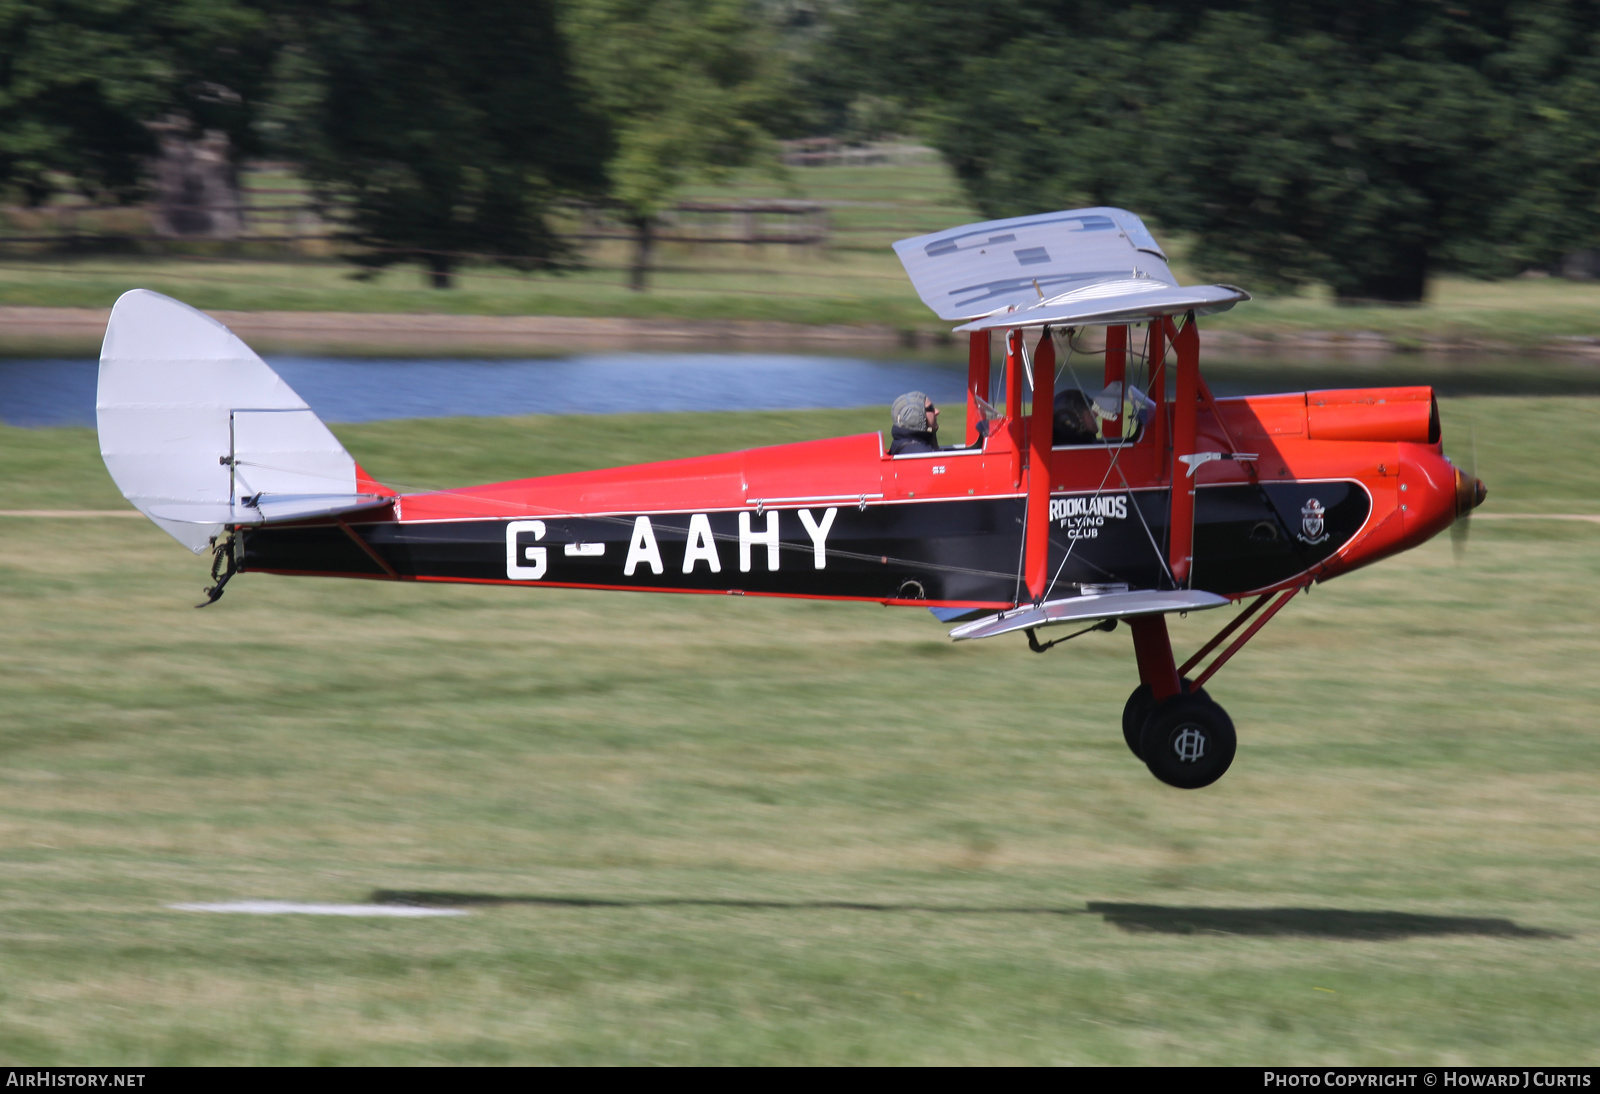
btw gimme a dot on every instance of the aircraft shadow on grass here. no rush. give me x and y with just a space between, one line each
1331 923
1306 922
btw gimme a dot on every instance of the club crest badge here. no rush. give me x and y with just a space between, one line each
1313 528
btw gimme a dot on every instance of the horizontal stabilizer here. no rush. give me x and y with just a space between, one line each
1077 609
199 433
265 509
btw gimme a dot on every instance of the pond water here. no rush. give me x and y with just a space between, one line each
62 392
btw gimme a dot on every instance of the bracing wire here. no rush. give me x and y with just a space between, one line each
1110 466
1116 453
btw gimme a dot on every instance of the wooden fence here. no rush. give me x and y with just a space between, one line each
288 216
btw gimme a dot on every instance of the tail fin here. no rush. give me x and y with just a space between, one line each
199 433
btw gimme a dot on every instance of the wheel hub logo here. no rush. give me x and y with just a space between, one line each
1313 528
1190 745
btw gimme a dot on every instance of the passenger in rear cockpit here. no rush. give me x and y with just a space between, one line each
915 424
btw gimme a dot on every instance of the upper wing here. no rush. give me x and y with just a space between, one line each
1074 268
1115 302
973 270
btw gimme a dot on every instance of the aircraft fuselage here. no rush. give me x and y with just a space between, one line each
839 519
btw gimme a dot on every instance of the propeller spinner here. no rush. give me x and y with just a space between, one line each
1470 493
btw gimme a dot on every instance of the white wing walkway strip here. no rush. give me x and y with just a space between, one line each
285 907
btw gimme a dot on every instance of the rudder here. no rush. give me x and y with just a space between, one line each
199 433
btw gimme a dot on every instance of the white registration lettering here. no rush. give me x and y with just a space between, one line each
642 548
700 547
747 538
818 534
515 571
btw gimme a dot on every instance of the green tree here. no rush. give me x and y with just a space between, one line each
1309 161
80 80
1551 71
442 130
1360 145
689 88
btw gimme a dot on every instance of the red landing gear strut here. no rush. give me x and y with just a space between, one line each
1184 738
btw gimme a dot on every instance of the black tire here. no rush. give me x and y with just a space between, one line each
1136 711
1188 742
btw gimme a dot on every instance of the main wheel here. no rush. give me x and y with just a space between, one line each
1188 742
1136 711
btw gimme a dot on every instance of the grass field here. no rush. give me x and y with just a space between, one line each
700 829
855 280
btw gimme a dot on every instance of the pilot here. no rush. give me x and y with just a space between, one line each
915 424
1075 422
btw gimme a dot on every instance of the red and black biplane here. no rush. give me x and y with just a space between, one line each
1177 501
